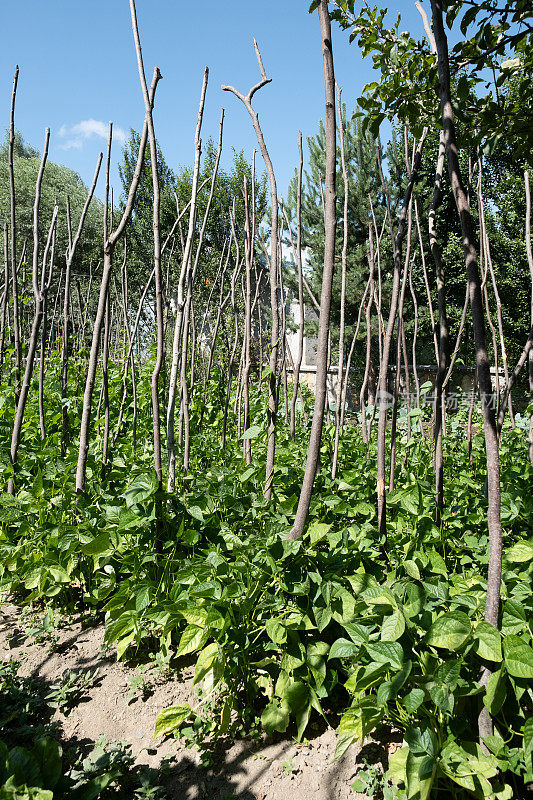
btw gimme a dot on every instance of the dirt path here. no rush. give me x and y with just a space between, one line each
116 707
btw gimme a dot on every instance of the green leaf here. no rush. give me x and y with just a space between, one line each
142 598
520 552
495 692
141 488
316 661
192 639
467 765
412 569
356 723
449 631
518 657
397 766
275 717
196 512
421 741
276 631
419 775
528 747
99 545
123 643
59 574
209 660
318 531
442 698
468 18
48 754
413 700
488 642
386 652
393 627
322 617
171 719
252 432
350 731
24 766
343 648
247 474
448 673
195 616
37 488
438 565
297 696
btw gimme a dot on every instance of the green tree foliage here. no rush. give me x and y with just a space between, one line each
495 45
139 232
58 183
361 154
492 70
175 187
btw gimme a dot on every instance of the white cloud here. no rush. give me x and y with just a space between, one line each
76 135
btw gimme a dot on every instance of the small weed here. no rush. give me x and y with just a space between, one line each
111 766
371 782
140 686
70 689
42 629
289 767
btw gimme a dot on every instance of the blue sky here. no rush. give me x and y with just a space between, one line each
78 71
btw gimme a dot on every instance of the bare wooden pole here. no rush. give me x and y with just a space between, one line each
180 297
382 382
157 250
37 319
327 276
297 252
109 248
273 270
5 298
530 263
67 322
415 334
368 320
248 258
12 207
46 282
343 288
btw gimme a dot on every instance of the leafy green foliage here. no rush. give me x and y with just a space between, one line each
283 631
58 182
34 766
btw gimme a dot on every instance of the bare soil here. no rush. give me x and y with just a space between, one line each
248 770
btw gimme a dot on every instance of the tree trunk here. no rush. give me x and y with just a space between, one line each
5 299
489 423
